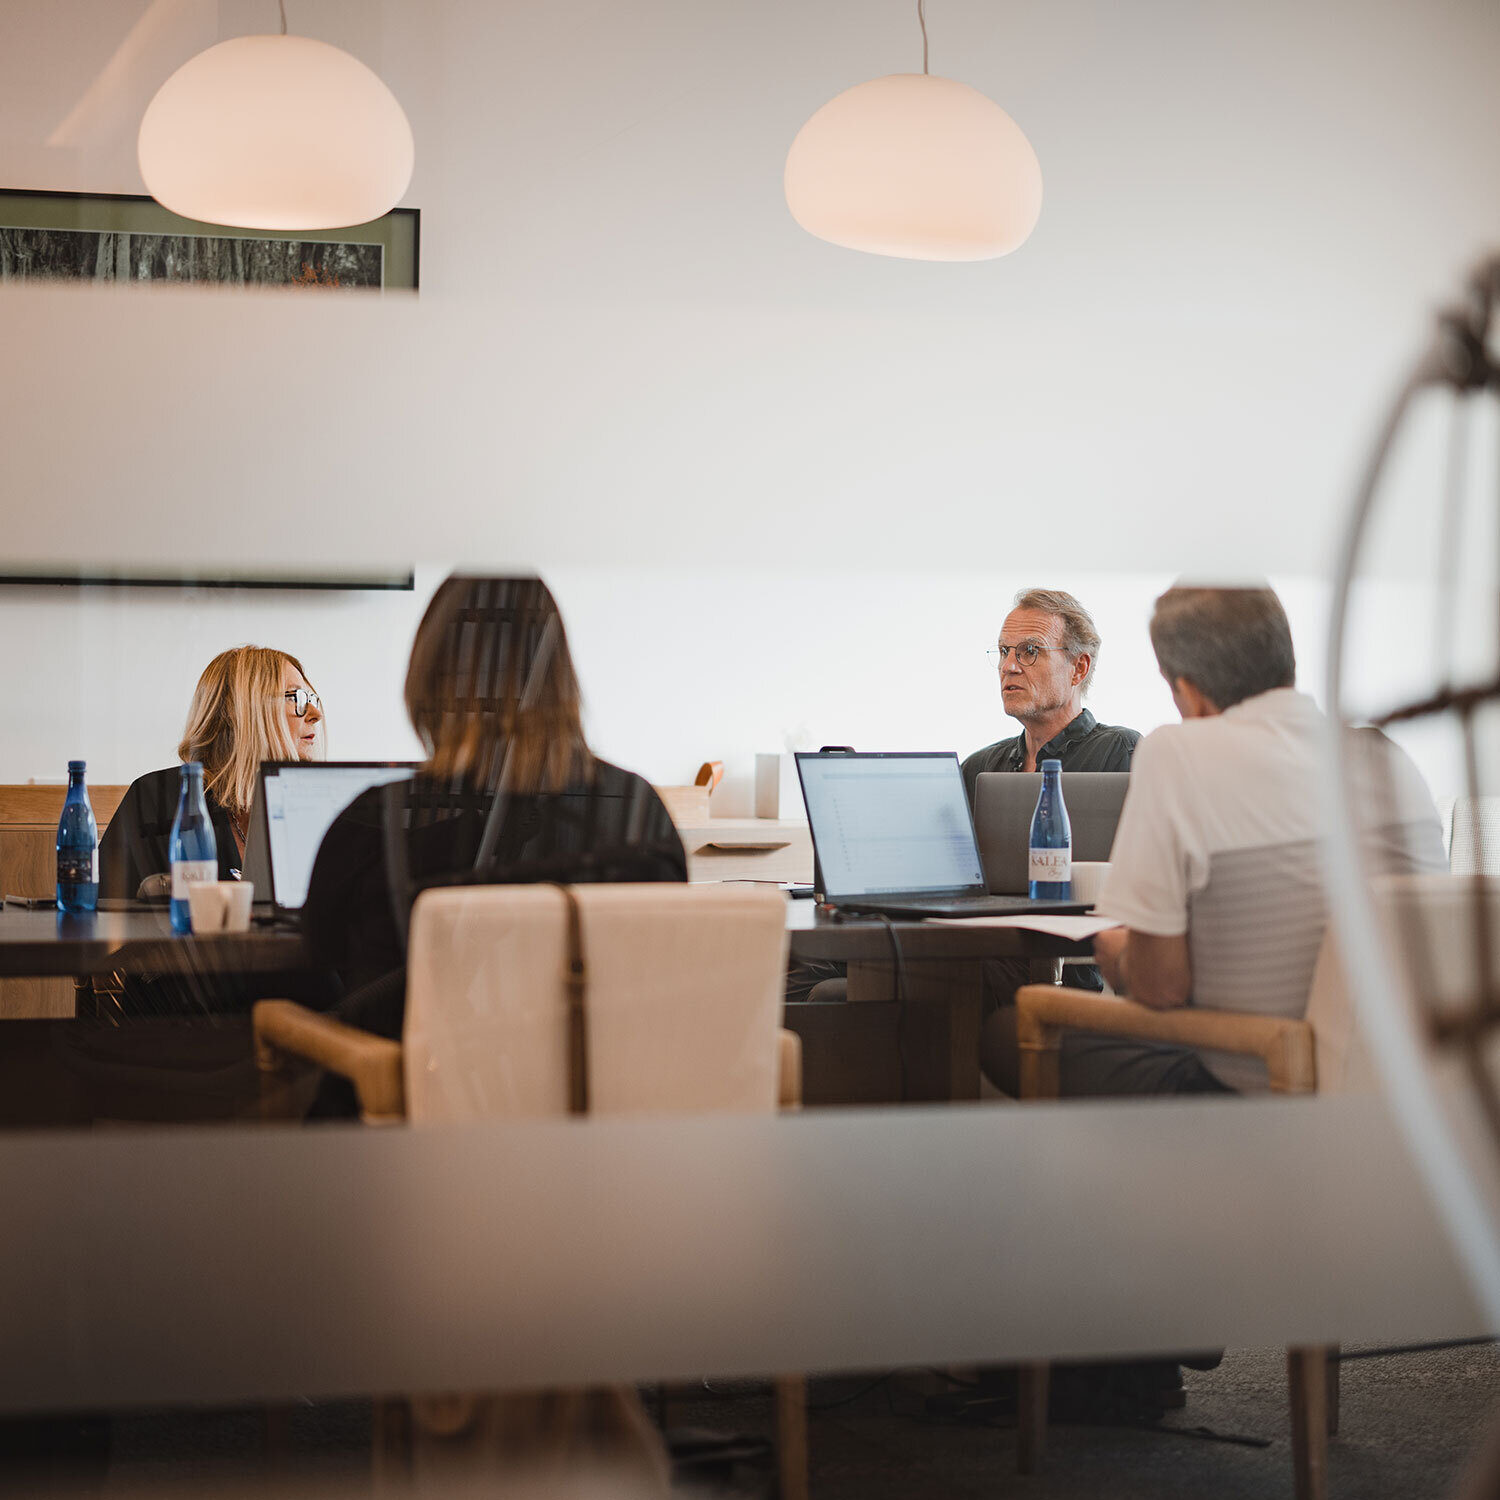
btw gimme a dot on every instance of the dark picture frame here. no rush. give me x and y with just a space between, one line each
129 237
393 580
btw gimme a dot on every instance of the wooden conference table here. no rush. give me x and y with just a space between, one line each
909 1038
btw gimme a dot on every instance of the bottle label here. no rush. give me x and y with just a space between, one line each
78 866
1051 866
186 872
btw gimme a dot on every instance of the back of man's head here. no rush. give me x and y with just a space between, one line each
1230 643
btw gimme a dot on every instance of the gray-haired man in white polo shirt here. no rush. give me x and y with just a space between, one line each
1216 875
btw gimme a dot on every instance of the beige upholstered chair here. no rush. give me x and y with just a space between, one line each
1299 1057
1471 834
681 1005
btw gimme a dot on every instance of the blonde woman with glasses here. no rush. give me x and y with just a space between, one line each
251 704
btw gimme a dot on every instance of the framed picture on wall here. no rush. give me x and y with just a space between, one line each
401 580
106 237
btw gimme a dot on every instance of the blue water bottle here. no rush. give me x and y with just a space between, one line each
77 847
1051 857
192 852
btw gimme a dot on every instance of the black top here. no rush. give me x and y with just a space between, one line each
135 843
613 827
1085 745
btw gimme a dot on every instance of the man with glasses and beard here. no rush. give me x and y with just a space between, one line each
1046 654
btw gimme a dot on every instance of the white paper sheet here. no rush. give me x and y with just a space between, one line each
1075 929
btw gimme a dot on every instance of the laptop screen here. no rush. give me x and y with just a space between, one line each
893 824
301 801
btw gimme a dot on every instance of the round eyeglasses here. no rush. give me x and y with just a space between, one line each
1026 653
301 700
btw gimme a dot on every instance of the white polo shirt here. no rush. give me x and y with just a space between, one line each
1221 838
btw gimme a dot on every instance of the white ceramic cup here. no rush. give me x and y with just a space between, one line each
1088 879
239 895
221 905
206 905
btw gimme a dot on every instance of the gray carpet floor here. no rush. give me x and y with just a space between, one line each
1409 1426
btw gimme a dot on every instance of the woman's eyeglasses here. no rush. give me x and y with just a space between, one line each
301 700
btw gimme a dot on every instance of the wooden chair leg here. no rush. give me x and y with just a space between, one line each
1032 1386
665 1406
1334 1365
85 998
391 1468
1482 1480
1039 1046
1307 1389
790 1404
276 1435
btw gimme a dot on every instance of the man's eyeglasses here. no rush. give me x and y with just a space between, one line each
301 700
1026 653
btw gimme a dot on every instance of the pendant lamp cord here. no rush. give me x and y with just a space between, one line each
282 4
921 21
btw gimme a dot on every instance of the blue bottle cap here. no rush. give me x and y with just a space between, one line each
1048 765
193 767
76 765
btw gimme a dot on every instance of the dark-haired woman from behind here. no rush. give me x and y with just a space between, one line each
509 793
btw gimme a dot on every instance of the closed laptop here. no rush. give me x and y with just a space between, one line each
1004 802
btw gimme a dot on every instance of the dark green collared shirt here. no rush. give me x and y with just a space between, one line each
1085 745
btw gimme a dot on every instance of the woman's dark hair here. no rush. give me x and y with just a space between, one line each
491 677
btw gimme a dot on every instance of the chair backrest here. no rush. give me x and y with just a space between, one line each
1431 921
1342 1059
1434 922
684 987
1471 834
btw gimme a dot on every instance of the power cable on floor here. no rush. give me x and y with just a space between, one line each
1208 1434
902 996
1344 1356
849 1400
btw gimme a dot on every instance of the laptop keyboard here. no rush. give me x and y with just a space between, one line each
949 903
961 903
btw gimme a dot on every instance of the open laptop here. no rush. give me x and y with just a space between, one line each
1004 802
295 801
893 836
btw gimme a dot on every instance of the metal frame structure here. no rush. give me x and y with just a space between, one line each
1407 1032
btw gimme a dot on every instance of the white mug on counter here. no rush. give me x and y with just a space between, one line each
221 905
1088 879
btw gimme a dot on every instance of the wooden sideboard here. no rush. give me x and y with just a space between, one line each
747 849
28 854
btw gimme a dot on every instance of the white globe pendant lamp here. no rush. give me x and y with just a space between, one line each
916 166
276 132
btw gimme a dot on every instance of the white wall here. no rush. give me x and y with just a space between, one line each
107 673
676 667
776 484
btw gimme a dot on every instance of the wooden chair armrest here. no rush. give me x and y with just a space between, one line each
789 1070
1045 1011
371 1063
